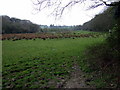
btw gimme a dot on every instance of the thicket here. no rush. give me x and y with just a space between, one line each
104 58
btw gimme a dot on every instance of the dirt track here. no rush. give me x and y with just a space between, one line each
77 79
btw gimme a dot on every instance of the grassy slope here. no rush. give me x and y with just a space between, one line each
35 63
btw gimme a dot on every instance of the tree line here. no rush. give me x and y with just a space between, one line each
14 25
101 22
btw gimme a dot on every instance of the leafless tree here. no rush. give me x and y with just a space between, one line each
58 6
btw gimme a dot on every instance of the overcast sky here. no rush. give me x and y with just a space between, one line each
23 9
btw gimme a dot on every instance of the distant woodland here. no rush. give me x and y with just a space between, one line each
14 25
101 22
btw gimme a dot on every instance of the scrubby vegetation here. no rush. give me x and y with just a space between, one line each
45 36
103 61
104 65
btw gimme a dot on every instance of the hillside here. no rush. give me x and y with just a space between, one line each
14 25
101 22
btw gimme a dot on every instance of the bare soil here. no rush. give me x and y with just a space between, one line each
77 79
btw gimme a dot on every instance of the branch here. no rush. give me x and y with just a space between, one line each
59 9
95 6
58 6
112 4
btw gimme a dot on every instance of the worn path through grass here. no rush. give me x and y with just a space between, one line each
77 78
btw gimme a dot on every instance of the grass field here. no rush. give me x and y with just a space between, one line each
42 63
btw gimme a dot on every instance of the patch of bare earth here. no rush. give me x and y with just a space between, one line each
77 79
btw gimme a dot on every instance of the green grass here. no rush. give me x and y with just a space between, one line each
41 63
86 32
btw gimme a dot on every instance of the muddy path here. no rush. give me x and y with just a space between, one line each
77 79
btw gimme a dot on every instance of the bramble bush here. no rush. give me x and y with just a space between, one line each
113 41
104 59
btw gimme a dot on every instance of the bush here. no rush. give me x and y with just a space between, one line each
114 37
99 55
104 60
113 41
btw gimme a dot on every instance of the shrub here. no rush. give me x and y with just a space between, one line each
113 41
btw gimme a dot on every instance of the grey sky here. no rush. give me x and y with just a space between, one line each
23 9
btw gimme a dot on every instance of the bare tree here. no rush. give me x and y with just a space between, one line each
58 6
